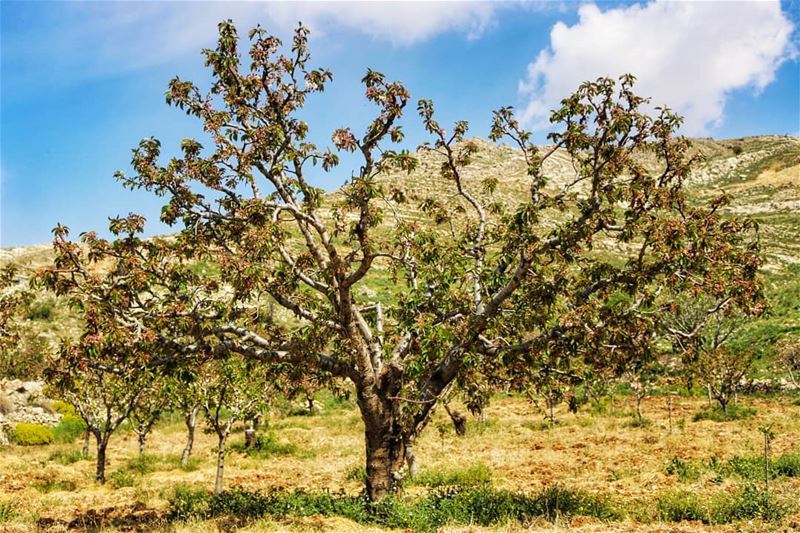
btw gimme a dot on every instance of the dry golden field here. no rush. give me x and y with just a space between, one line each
597 453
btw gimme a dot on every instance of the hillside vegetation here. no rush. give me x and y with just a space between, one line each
761 176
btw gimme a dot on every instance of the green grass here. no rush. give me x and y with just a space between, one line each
67 456
443 506
7 512
716 414
267 445
468 476
69 429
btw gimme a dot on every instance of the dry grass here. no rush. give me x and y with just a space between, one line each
594 453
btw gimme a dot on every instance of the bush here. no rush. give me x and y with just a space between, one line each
716 414
188 503
26 434
67 457
70 428
470 476
121 478
42 310
142 464
51 484
7 512
676 506
63 408
356 473
685 470
747 504
238 502
267 445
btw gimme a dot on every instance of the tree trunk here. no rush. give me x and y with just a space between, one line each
310 403
85 449
250 435
191 421
411 458
639 407
386 456
142 442
102 444
459 421
220 465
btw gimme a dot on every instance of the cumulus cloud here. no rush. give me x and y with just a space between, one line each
686 55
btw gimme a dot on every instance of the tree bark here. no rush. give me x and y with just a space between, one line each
386 455
102 444
411 458
142 442
85 449
191 421
220 465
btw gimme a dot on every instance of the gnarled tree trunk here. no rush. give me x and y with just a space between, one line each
386 455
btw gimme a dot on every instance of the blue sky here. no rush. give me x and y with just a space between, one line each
82 83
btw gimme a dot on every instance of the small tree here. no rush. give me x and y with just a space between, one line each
154 400
787 350
13 304
187 398
103 396
233 390
642 378
723 371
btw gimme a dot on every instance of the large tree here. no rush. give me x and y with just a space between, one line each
485 286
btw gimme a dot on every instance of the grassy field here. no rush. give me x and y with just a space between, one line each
629 476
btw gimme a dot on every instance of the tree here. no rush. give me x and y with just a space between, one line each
106 373
788 352
232 391
187 399
153 401
723 371
13 304
103 399
488 284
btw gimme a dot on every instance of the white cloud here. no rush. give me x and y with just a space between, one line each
686 55
400 23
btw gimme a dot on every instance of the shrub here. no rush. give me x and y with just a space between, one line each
142 464
26 434
716 414
238 502
67 457
51 484
356 473
7 512
63 408
70 428
787 464
42 310
121 478
737 149
685 470
267 445
188 503
746 504
676 506
470 476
